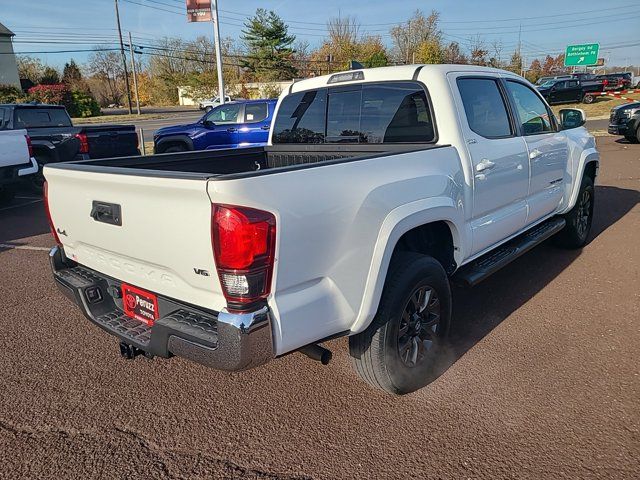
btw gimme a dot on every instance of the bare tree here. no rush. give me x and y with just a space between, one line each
419 29
478 51
107 76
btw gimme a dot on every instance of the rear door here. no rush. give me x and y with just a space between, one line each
547 149
499 159
255 129
222 125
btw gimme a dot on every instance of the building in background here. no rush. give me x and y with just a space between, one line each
8 65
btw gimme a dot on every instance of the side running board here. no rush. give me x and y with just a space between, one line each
481 268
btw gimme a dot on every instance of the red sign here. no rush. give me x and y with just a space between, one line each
198 10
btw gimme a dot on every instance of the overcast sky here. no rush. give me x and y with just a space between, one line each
547 25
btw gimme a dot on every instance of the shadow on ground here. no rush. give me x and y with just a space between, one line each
477 311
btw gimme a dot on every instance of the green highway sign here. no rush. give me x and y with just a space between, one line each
579 55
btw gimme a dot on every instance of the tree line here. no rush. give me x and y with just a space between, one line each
266 51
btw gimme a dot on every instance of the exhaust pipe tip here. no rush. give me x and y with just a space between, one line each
318 353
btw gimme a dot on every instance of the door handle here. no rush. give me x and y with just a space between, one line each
265 127
232 129
485 164
535 153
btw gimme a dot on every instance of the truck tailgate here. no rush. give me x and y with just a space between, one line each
163 243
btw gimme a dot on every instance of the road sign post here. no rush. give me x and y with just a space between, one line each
581 55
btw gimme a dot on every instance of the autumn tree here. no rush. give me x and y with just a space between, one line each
430 51
408 37
515 64
30 68
268 43
453 54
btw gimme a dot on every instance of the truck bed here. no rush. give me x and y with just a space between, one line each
235 163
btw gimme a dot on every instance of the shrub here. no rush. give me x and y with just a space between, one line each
11 94
83 105
57 94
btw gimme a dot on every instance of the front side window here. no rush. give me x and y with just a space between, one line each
255 112
224 114
532 112
484 107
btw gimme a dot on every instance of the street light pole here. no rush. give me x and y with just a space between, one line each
124 59
216 35
133 72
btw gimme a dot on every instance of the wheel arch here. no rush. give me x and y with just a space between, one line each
165 142
589 164
403 228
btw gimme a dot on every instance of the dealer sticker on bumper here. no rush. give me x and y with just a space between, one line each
139 304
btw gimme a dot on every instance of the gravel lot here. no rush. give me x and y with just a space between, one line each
542 380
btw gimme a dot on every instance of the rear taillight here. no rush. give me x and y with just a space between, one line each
29 145
84 142
244 242
45 190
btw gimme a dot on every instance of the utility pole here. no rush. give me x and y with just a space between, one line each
124 59
133 72
216 35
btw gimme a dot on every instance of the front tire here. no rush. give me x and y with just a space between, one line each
208 109
175 149
575 233
588 98
397 352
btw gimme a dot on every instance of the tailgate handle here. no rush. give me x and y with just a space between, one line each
106 213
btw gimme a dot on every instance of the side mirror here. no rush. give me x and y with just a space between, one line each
572 118
208 123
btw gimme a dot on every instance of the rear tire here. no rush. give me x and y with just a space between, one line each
588 98
579 219
208 109
397 352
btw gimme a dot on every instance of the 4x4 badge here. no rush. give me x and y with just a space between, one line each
61 232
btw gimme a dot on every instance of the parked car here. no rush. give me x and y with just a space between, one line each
371 197
16 160
570 91
210 103
616 81
635 82
55 139
542 80
234 124
625 120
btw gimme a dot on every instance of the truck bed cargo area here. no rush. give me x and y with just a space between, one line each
212 163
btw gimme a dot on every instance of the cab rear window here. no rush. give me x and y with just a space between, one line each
389 112
41 117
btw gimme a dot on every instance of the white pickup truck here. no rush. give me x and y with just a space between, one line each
378 188
16 160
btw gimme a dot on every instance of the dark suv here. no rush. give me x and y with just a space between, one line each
625 120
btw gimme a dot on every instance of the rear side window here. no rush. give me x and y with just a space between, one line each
41 117
532 111
396 113
301 118
255 112
393 112
484 107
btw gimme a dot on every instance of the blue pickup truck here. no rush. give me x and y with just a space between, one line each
241 123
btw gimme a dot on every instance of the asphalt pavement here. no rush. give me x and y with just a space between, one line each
541 380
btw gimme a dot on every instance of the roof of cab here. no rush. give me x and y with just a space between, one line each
397 73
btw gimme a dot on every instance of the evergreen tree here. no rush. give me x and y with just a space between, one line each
50 76
71 74
268 43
